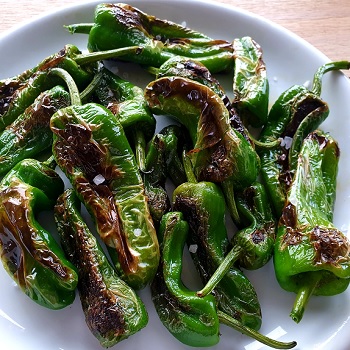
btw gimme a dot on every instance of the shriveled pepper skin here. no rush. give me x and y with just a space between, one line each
295 113
219 152
29 253
250 83
112 309
190 319
91 148
121 25
203 206
40 81
311 255
30 133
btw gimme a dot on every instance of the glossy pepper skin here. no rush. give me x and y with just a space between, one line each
190 319
91 148
30 133
203 206
250 83
29 253
112 309
253 243
120 25
297 112
311 255
127 102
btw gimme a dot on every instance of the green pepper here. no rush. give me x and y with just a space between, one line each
92 150
192 320
30 133
112 309
127 102
219 154
252 246
297 112
154 178
82 67
29 253
121 25
311 255
250 83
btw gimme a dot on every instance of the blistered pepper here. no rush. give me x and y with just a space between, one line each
82 68
252 245
311 255
120 25
29 253
127 102
219 153
297 112
30 133
192 320
91 148
113 311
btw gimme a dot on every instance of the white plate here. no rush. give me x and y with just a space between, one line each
290 60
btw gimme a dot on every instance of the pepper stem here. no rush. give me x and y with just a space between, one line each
80 28
86 93
50 162
72 86
233 323
311 281
104 55
220 272
229 194
188 168
317 82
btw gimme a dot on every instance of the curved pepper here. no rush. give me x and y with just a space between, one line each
250 83
121 25
297 112
81 67
127 102
253 245
30 133
91 148
311 256
192 320
219 154
113 311
29 253
203 206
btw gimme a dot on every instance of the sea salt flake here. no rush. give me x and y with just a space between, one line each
98 179
137 232
193 248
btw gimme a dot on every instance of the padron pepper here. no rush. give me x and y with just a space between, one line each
252 245
120 25
92 150
127 102
311 255
29 253
250 83
30 133
113 311
82 68
192 320
297 112
219 154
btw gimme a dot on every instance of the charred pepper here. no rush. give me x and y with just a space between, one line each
120 25
253 245
192 320
29 253
91 148
311 255
30 133
112 309
297 112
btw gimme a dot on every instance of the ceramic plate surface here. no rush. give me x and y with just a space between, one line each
290 60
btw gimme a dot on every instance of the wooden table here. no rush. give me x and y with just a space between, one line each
323 23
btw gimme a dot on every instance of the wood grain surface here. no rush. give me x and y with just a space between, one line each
323 23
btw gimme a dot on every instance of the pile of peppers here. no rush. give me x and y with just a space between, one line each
152 192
